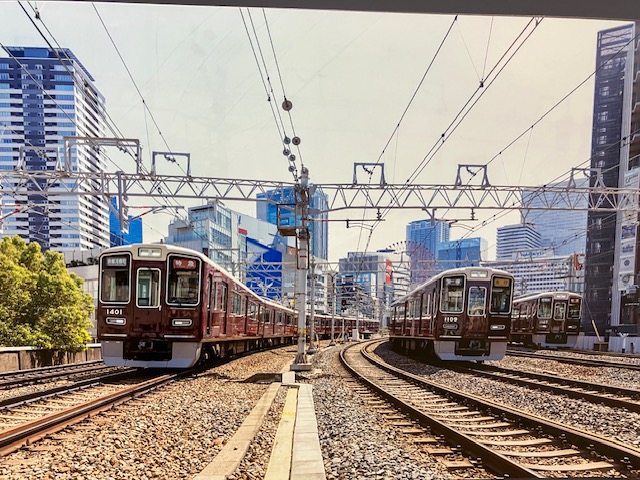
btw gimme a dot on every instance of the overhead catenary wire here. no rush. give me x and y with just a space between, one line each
268 87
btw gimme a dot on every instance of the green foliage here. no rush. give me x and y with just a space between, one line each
41 303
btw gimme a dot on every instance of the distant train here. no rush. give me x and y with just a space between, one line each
550 319
460 314
169 307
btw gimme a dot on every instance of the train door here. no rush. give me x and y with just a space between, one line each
148 316
434 311
224 306
477 323
210 300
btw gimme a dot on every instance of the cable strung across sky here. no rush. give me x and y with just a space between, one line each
612 9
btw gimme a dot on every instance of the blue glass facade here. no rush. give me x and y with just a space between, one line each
318 229
466 252
117 237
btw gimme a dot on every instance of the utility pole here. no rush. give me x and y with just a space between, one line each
333 308
301 361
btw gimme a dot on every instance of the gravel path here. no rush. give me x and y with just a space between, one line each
356 442
171 433
614 423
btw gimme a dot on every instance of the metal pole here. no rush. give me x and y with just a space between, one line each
312 349
302 267
333 309
356 334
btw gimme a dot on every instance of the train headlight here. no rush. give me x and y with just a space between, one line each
181 322
497 327
116 321
450 326
571 327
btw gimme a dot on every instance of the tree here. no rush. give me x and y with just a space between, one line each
41 303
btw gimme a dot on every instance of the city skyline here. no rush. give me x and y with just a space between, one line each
340 117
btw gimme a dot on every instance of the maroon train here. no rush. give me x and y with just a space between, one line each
168 307
460 314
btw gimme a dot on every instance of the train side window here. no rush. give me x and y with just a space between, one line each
288 319
452 296
477 300
267 315
544 309
426 304
222 298
148 288
236 303
559 310
279 318
252 310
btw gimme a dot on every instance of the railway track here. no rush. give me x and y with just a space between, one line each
508 441
46 374
608 395
27 421
575 361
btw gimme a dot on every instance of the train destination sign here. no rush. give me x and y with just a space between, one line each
184 263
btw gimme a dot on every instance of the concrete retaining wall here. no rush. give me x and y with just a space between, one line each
25 358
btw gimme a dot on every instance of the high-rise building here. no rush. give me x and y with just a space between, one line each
275 201
538 271
117 236
564 231
365 283
209 229
466 252
516 238
612 241
424 237
46 95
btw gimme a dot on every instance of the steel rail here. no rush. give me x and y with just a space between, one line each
622 453
15 438
493 460
35 377
575 361
21 399
578 389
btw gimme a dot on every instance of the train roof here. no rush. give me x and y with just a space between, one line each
187 251
453 271
559 295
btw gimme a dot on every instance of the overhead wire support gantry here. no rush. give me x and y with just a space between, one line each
341 196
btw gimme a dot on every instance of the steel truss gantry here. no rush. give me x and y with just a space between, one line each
428 197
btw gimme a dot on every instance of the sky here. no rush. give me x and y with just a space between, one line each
350 77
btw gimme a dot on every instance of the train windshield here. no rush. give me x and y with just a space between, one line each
452 299
114 279
574 309
184 281
501 295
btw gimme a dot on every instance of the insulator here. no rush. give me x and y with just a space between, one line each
286 152
292 168
295 140
287 105
286 140
292 157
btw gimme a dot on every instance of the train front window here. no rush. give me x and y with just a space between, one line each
477 300
148 287
114 280
559 310
574 309
184 281
501 295
544 309
452 298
